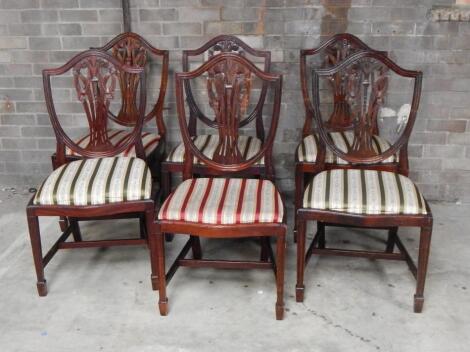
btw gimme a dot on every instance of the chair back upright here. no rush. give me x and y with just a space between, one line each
330 53
226 44
229 80
365 74
95 75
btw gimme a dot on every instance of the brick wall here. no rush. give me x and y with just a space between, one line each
44 33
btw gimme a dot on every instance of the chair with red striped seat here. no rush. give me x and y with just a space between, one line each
207 142
363 197
221 204
102 183
133 50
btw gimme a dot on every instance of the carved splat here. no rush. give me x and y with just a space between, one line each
95 82
229 88
340 118
366 83
131 52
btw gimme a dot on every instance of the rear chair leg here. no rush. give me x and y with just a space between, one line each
321 235
77 235
196 247
150 230
166 188
392 235
63 223
34 234
264 255
423 256
299 188
280 254
299 287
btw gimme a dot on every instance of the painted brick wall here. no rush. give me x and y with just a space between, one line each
43 33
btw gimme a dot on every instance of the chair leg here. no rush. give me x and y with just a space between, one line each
35 236
196 247
166 189
299 287
321 235
149 224
299 186
423 256
264 242
162 298
280 254
392 235
63 223
77 235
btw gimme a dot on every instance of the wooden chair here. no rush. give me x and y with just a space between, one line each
103 183
225 206
360 197
330 53
133 50
207 142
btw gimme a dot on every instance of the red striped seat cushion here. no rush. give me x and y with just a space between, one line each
224 201
117 137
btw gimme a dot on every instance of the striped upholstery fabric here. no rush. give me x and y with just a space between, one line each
307 150
224 201
118 137
364 192
96 181
207 144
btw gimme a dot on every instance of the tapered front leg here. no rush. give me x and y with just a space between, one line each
150 229
299 287
34 234
423 256
280 254
160 249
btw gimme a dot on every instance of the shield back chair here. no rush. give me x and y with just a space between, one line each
330 53
207 142
132 50
221 203
103 183
360 197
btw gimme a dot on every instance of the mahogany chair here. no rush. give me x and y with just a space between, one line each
223 205
249 145
330 53
361 197
103 183
133 50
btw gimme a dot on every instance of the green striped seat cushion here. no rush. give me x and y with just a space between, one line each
117 138
96 181
207 144
307 150
364 192
224 201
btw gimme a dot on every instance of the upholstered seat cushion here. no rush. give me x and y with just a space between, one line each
307 150
224 201
118 137
96 181
207 144
364 192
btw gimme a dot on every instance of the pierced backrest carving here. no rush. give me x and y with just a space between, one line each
132 50
229 86
218 45
95 75
366 76
330 53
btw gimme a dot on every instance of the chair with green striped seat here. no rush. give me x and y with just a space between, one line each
102 183
364 197
338 119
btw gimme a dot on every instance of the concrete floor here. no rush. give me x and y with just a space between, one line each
101 300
